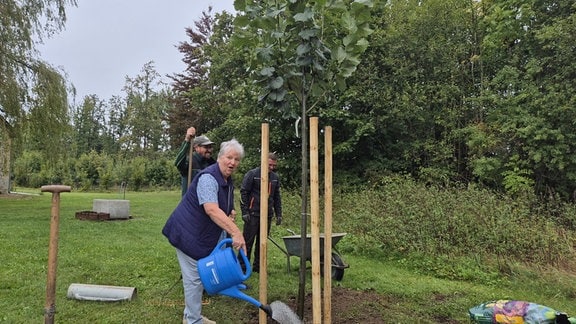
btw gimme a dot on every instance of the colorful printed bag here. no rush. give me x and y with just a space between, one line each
517 312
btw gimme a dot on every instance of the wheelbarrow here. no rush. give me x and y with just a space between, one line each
294 248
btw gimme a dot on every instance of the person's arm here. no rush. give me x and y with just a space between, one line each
181 163
245 192
277 202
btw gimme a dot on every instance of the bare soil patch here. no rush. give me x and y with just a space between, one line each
348 306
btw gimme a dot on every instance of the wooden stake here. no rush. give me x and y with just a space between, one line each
314 223
190 163
50 305
327 225
263 283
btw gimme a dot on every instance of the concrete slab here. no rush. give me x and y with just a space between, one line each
117 208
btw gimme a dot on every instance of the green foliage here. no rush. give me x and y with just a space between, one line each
448 92
87 166
404 218
97 171
302 50
27 166
32 91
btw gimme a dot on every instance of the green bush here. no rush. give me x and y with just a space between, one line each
26 169
405 219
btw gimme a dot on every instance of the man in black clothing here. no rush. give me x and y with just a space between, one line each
201 158
250 206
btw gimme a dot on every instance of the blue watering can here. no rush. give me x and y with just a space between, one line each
220 273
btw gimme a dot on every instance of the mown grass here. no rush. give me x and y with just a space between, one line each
393 247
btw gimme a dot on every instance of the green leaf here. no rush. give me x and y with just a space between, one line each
336 4
267 71
348 22
305 16
264 54
340 54
306 34
277 95
242 21
276 83
303 61
303 49
366 3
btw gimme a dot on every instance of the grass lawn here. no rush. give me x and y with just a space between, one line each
134 253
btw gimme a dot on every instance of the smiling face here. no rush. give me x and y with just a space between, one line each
272 165
204 150
229 162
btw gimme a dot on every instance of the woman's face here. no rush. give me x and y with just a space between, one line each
229 162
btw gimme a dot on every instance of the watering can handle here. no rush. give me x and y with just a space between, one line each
246 263
242 254
219 245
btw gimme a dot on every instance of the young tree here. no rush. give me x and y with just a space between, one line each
300 52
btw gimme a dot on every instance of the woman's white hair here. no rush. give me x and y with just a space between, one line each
231 145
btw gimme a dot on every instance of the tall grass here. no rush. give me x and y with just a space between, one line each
407 219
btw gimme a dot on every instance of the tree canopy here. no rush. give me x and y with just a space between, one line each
32 91
446 91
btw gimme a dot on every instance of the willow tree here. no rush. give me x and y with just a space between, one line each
301 53
33 94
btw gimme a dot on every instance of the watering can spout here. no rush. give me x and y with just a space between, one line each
267 309
235 292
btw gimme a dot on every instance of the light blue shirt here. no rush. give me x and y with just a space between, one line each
207 189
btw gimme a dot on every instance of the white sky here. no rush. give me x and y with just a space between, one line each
107 40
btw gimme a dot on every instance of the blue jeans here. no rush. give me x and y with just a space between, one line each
193 288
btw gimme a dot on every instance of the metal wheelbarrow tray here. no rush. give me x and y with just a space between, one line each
293 245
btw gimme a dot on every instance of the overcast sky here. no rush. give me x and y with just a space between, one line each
107 40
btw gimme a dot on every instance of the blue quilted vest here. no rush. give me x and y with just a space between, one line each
189 228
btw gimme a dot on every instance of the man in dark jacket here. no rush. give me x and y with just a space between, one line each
250 206
201 158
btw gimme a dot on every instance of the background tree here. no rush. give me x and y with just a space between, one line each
32 91
90 125
146 107
407 103
200 97
528 96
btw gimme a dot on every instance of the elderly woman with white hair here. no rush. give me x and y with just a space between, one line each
202 218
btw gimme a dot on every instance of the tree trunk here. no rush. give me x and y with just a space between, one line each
4 160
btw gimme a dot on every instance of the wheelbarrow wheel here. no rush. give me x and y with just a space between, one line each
337 267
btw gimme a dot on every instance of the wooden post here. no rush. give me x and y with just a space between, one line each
190 163
263 283
314 223
327 225
50 305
